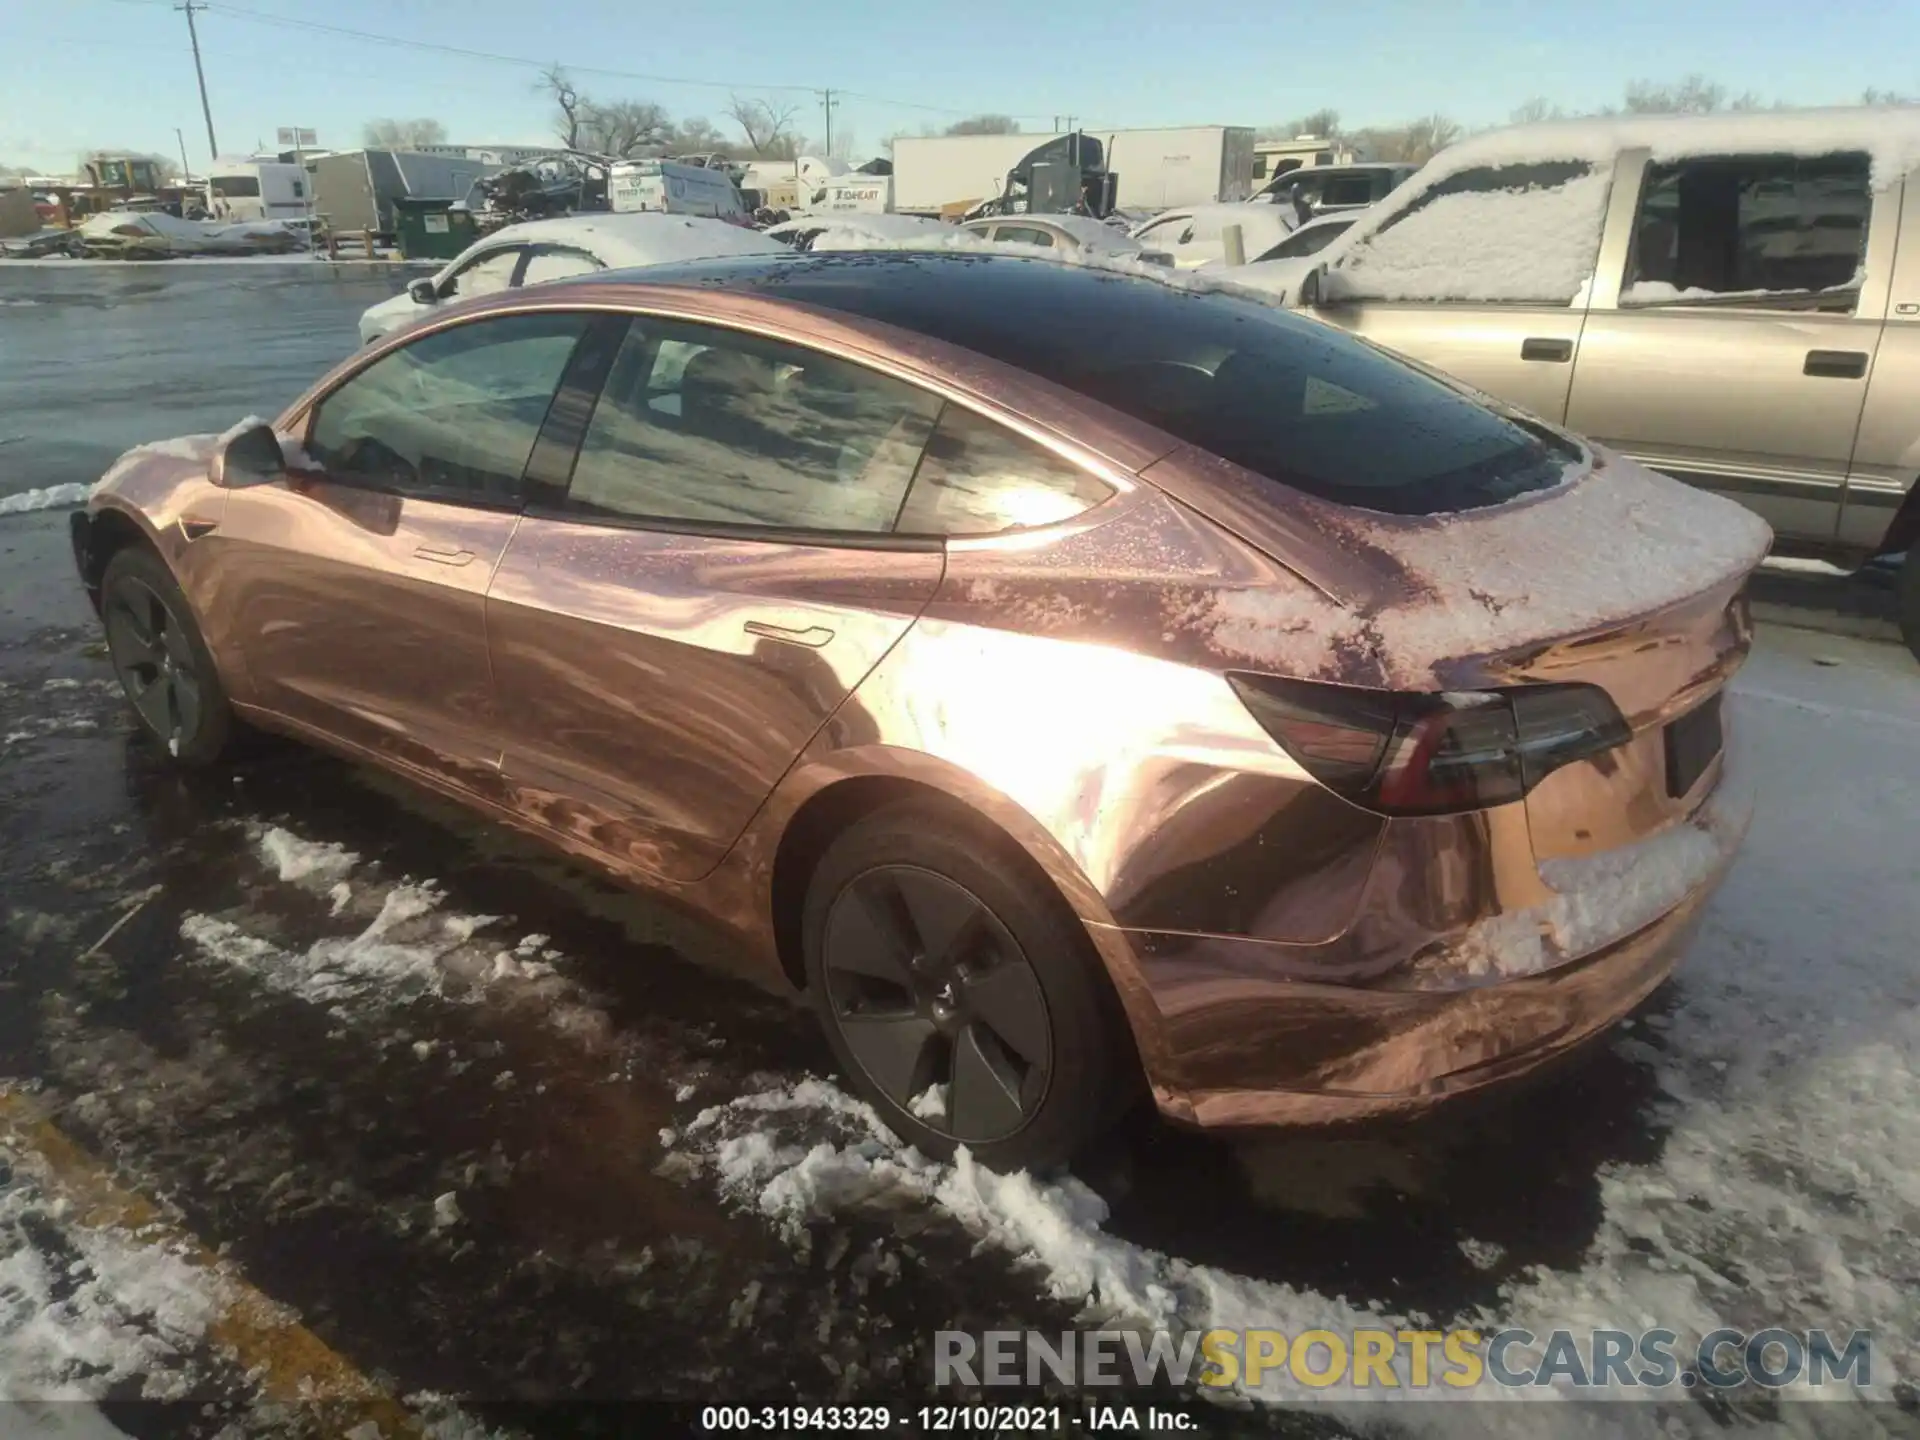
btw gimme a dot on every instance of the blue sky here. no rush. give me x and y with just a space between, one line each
82 74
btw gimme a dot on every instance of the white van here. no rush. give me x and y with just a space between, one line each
677 189
257 190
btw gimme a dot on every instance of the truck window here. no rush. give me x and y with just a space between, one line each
236 187
1493 234
1768 231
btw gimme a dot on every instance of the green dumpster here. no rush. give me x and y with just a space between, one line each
432 229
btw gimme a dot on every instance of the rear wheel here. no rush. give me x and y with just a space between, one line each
161 660
960 995
1909 600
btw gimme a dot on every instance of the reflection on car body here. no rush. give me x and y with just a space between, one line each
1180 695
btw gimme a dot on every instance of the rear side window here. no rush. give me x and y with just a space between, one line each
979 478
1506 234
1348 190
712 427
1024 235
1767 231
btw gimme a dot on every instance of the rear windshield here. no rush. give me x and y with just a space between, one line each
1289 398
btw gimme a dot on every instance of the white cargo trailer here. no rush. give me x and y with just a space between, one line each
1189 165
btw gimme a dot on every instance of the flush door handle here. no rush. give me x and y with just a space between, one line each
813 636
443 555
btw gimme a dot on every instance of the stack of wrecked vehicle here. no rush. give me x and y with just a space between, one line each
565 182
155 235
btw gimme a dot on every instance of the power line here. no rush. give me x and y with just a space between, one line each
369 37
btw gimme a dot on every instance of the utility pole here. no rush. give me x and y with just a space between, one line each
826 103
213 146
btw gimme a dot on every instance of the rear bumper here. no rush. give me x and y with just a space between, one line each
1243 1039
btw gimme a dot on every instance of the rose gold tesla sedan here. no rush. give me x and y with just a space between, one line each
1070 683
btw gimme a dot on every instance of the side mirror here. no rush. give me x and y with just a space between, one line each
1310 286
424 292
249 458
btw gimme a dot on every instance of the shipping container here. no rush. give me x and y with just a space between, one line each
355 190
1158 169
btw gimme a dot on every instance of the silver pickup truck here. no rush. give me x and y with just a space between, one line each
1734 300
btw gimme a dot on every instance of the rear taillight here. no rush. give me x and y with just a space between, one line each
1420 754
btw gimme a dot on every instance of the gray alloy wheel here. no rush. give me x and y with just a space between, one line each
154 661
161 661
937 1003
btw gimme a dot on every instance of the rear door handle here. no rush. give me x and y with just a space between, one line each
813 635
441 555
1836 364
1559 351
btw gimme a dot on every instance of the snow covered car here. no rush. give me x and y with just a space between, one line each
537 251
157 235
1280 269
1731 299
845 230
1193 235
1080 234
1176 697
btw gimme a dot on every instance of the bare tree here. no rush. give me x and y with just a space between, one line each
699 136
985 125
768 126
1886 97
1693 95
385 134
623 127
1530 112
569 105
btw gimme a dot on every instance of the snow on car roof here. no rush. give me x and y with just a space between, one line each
646 237
1890 135
887 227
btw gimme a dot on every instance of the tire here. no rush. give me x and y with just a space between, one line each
934 959
1908 600
161 660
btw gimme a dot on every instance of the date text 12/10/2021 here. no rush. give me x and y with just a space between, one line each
940 1419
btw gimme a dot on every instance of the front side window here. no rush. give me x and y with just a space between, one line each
1024 235
452 416
1495 234
1769 231
979 478
485 275
713 427
545 265
1176 228
1348 190
1310 240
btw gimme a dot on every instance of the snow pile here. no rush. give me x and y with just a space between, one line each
1600 899
406 945
296 860
47 498
115 1312
1538 245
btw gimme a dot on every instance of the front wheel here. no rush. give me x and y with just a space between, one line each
960 995
1909 600
161 660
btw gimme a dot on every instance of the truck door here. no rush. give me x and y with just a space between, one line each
1484 276
1731 342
